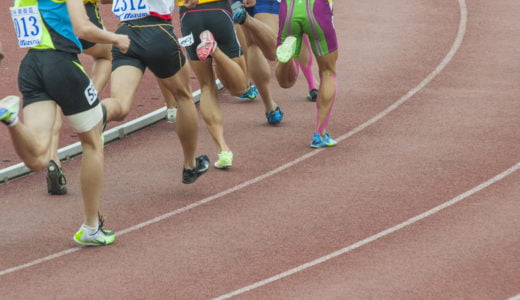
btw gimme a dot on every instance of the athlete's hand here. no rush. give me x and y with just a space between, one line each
190 3
249 3
122 42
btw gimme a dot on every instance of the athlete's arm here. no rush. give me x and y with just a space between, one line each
86 30
191 3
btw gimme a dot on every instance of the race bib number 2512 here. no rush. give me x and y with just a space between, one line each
130 9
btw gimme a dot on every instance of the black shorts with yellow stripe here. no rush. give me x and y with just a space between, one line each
153 45
59 76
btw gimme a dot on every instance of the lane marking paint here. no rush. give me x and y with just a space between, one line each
411 93
374 237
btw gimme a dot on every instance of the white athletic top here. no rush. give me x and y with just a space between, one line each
161 7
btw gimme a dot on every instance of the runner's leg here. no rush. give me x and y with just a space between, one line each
209 107
124 83
32 139
187 116
327 95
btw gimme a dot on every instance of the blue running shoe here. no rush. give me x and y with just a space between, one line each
239 12
274 117
330 142
250 94
319 141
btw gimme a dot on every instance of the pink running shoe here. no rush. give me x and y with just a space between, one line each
207 45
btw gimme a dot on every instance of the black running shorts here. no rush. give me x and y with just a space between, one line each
153 45
215 17
59 76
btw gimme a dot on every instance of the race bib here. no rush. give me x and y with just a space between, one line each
186 41
126 10
28 25
91 93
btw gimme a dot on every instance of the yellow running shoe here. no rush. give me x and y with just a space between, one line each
287 49
225 160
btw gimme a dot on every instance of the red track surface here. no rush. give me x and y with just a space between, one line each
283 205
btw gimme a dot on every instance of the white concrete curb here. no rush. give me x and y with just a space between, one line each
112 134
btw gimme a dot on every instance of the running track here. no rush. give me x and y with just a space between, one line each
418 201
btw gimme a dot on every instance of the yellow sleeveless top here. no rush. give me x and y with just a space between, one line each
181 2
90 1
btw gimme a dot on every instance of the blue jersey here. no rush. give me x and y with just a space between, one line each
58 33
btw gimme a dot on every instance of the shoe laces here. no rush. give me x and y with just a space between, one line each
101 223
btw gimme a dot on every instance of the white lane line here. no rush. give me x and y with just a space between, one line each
412 92
517 297
375 236
455 47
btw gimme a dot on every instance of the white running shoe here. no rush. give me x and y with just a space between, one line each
100 237
171 114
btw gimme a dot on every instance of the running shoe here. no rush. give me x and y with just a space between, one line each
207 45
274 117
225 160
171 114
239 12
190 175
100 237
250 94
319 141
9 107
287 49
56 181
313 95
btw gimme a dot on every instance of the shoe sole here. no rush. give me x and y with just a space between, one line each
226 166
54 186
323 145
206 46
286 50
5 112
92 243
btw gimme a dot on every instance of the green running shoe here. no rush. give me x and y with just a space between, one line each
9 107
287 49
100 237
225 160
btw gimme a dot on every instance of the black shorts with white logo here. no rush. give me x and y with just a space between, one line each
215 17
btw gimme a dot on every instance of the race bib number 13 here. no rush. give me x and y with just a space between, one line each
130 9
27 25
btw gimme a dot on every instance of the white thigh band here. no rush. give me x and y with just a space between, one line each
85 121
